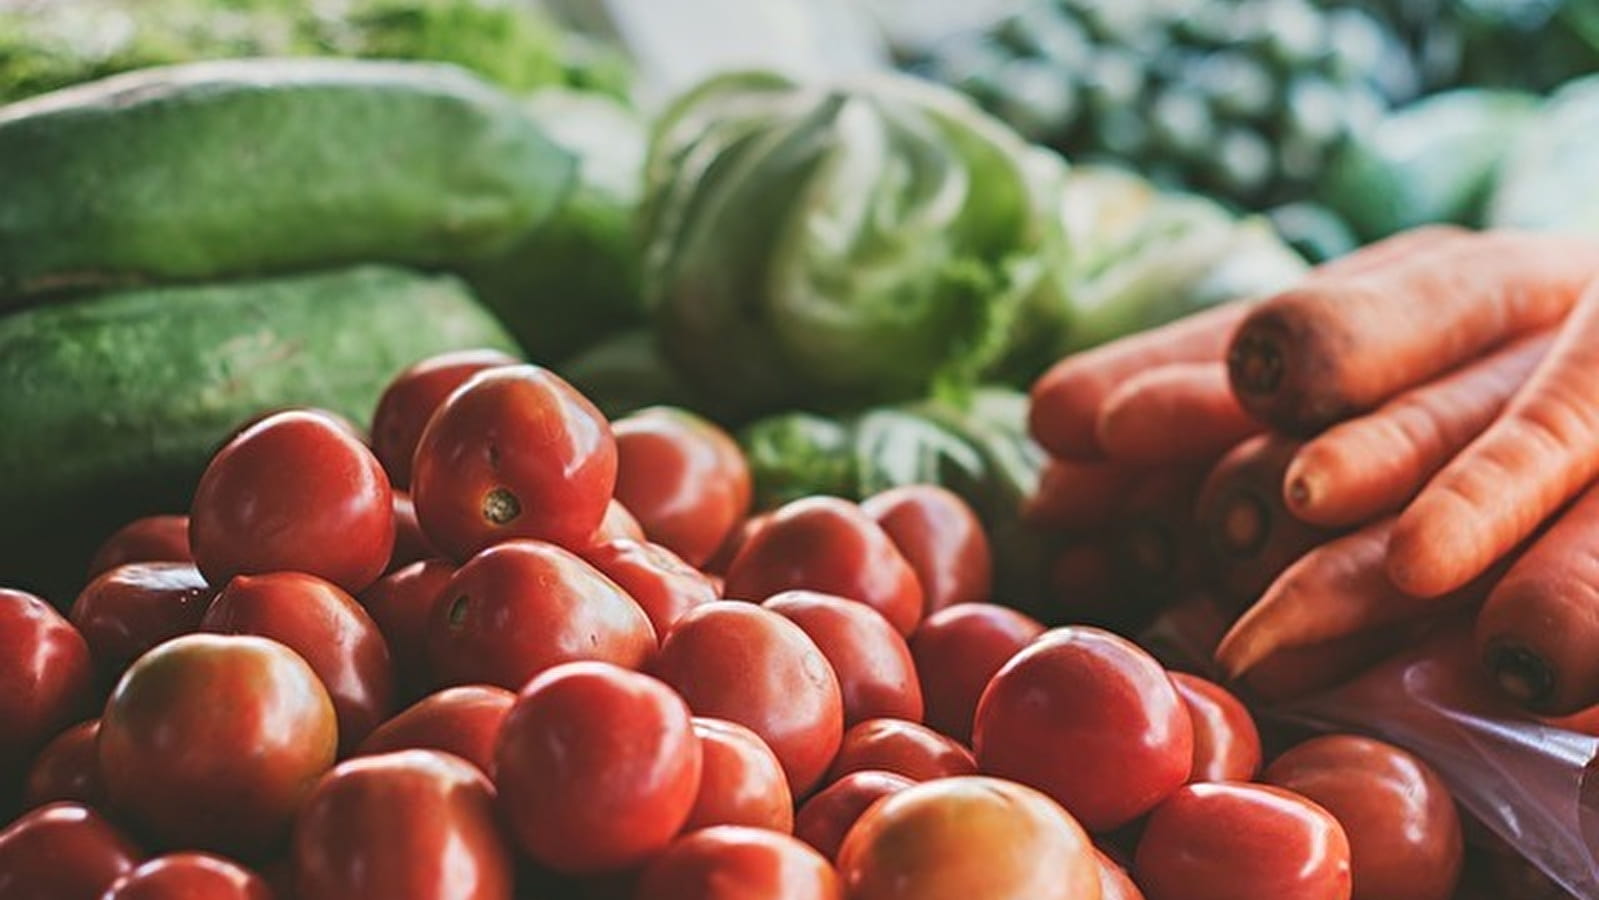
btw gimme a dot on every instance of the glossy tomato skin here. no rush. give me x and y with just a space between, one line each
741 781
68 768
131 608
683 478
150 539
736 539
412 825
412 398
323 624
736 661
172 734
959 838
46 677
190 876
400 603
1094 699
1211 841
731 862
658 580
515 452
64 851
831 812
1226 741
410 544
957 650
904 748
463 721
618 524
828 545
1114 882
941 538
1403 829
876 675
520 607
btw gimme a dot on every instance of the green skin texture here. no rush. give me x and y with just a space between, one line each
217 169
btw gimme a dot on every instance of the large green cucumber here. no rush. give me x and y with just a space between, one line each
223 169
111 405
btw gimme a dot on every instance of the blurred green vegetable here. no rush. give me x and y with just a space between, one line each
1550 180
626 372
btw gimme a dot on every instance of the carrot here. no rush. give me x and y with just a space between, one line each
1374 257
1173 413
1154 538
1078 496
1372 465
1293 672
1540 452
1333 347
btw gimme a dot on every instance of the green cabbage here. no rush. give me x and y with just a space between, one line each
1550 180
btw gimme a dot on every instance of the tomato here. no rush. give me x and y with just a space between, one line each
1403 829
659 581
211 741
131 608
401 603
68 768
45 676
959 838
826 544
520 607
618 524
190 876
730 862
412 398
828 816
598 767
684 479
464 721
736 539
737 661
294 492
957 650
1114 882
904 748
1091 720
1226 742
325 626
876 675
941 538
150 539
1229 841
64 851
410 544
514 453
741 781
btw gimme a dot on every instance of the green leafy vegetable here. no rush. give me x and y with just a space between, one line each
1549 179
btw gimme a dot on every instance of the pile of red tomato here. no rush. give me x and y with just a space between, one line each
518 680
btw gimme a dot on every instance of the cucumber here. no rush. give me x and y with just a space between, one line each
112 404
243 167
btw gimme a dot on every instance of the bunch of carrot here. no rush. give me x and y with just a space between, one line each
1406 433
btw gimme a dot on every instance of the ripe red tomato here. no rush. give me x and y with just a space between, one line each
941 538
660 582
618 524
211 741
730 862
684 479
826 544
410 544
520 607
45 676
741 781
294 492
189 876
133 607
736 539
150 539
1403 829
325 626
828 816
1114 882
64 851
1228 841
412 398
1096 699
957 650
904 748
598 767
737 661
958 838
1226 742
876 675
514 453
464 721
401 603
68 768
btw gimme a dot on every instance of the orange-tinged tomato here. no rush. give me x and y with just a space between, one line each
1114 882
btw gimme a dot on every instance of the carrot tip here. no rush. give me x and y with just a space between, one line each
1255 364
1298 493
1522 674
1244 524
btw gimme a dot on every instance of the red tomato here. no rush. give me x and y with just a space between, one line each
1404 832
741 781
189 876
63 851
1114 882
736 539
904 748
520 607
410 544
1095 699
1226 742
514 453
749 665
325 626
133 607
598 767
401 603
294 492
412 398
876 675
45 676
660 582
828 816
959 838
412 825
1228 841
940 536
68 768
211 741
826 544
730 862
618 524
464 721
957 650
150 539
684 479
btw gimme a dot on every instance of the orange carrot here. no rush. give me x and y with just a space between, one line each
1173 413
1154 538
1296 671
1079 496
1374 257
1372 465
